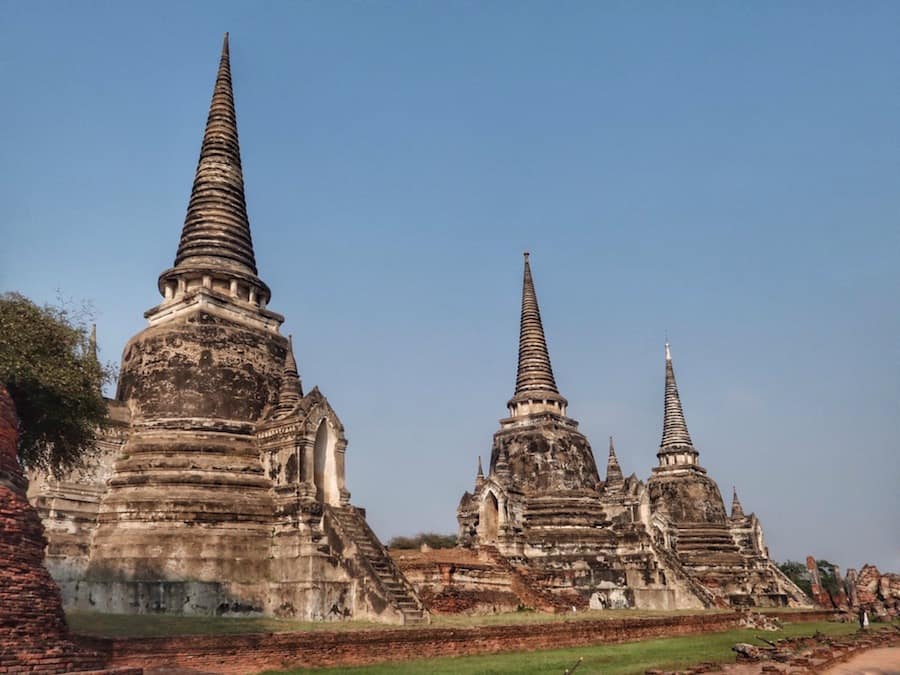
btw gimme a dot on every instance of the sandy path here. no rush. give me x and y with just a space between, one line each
880 661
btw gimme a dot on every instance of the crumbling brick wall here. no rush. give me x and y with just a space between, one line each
251 653
34 635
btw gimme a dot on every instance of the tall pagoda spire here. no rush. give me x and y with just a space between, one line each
676 447
216 239
534 377
614 477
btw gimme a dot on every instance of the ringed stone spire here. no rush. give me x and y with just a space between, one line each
535 383
676 446
291 388
614 478
737 511
215 240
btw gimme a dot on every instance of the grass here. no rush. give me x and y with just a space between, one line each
635 657
528 617
618 659
160 625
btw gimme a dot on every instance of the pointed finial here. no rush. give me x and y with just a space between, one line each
92 341
534 374
614 477
737 511
480 471
675 435
290 363
291 388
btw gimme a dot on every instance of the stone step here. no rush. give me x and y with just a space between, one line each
383 568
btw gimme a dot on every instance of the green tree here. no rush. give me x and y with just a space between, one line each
828 578
797 572
433 539
48 364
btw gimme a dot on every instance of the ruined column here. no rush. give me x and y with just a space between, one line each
841 598
340 453
851 587
820 596
307 462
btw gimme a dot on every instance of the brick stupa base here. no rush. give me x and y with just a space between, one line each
34 635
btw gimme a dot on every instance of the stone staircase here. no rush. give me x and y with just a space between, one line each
793 591
377 562
707 544
672 565
529 590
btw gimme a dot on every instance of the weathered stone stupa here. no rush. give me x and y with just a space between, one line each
545 509
222 488
619 542
727 555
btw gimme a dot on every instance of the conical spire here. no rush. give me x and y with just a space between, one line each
291 388
737 511
480 473
534 378
216 228
675 432
614 477
216 233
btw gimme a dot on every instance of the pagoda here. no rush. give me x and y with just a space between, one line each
220 487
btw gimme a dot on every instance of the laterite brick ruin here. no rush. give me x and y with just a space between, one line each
34 635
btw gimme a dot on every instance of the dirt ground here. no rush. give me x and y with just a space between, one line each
881 661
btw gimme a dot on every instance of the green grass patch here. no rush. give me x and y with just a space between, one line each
163 625
618 659
528 617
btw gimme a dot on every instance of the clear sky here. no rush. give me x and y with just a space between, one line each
724 172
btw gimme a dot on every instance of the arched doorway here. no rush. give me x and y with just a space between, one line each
325 466
489 519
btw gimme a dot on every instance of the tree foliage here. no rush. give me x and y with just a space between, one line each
49 366
828 577
432 539
797 572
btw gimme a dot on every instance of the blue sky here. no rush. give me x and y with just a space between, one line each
726 173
